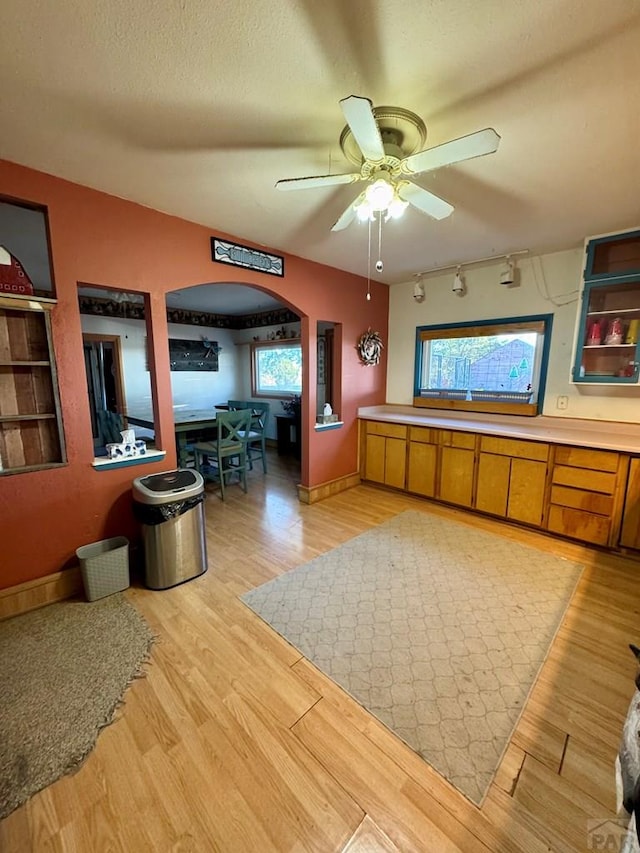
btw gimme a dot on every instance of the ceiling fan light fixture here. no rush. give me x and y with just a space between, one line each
363 209
379 195
396 208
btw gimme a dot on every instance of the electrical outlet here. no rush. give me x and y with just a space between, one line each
562 401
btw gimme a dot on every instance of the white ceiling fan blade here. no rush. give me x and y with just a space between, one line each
316 181
465 148
347 217
425 201
359 115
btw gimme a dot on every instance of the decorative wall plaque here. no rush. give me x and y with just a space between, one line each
237 255
193 355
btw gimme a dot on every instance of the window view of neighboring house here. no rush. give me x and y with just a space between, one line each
492 363
495 362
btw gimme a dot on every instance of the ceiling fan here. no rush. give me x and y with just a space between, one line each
386 144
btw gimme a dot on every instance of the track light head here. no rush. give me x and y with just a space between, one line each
508 277
418 291
458 283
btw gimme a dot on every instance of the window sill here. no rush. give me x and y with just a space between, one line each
526 409
323 427
104 464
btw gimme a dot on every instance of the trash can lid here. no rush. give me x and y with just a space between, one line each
168 486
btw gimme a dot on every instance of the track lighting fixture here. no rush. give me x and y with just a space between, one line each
508 277
418 291
511 267
458 283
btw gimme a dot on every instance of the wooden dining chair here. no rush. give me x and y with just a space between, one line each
256 437
218 460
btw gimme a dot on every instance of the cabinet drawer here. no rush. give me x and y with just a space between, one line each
514 447
423 434
390 430
449 438
579 525
580 499
583 457
582 478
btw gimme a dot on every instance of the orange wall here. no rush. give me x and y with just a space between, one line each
103 240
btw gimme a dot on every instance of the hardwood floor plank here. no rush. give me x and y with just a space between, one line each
590 773
558 804
369 838
507 774
389 797
540 738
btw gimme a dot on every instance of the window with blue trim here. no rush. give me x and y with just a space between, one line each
488 366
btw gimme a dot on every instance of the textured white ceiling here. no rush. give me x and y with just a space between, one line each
197 109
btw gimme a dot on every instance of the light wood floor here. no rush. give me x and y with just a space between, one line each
233 742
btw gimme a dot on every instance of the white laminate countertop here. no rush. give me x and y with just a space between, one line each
604 435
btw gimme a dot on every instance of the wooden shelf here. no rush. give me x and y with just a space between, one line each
26 303
25 363
613 312
35 417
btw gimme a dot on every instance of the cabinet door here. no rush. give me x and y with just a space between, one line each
630 536
421 477
613 255
375 458
395 462
456 475
526 491
493 483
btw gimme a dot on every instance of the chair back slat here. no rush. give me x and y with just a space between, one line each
232 427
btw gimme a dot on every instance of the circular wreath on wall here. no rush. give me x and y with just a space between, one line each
369 347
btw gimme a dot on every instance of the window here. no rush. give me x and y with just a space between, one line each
276 369
488 366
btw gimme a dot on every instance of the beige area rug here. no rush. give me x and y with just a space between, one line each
63 671
437 628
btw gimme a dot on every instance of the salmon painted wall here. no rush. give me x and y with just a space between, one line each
102 240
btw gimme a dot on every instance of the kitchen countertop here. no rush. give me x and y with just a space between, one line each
604 435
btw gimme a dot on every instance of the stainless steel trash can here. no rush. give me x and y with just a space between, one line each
170 508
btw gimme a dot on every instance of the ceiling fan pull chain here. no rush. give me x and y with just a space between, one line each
379 264
369 264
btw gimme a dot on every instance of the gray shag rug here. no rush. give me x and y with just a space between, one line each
436 627
63 672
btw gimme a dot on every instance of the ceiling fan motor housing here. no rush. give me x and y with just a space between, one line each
402 133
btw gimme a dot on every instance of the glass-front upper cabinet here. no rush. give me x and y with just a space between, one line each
607 335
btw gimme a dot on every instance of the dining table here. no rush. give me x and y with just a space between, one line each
186 422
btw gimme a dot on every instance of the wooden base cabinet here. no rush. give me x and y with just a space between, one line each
423 461
457 467
442 465
385 454
512 476
577 492
630 534
585 494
